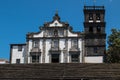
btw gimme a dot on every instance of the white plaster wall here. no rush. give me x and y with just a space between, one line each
70 34
94 59
62 46
3 62
29 49
80 47
54 24
38 35
69 46
18 54
41 47
48 46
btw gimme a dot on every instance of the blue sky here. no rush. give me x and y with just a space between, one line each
18 17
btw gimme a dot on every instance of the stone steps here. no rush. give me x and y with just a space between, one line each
59 71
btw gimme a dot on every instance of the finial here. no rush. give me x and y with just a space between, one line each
56 17
56 11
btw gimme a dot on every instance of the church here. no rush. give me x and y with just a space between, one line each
56 42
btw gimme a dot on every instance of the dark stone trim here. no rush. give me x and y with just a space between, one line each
94 24
76 52
17 44
35 53
56 37
95 35
94 55
54 51
94 45
94 7
10 54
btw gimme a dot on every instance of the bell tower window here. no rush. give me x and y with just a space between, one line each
97 16
90 16
90 29
98 29
19 48
95 50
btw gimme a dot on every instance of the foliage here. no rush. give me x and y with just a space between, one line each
113 53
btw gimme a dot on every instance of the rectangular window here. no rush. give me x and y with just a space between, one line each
35 58
75 43
74 58
17 61
55 44
35 43
95 50
61 33
19 48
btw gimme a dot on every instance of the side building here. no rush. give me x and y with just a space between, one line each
57 43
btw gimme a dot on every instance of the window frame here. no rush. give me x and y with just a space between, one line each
98 29
75 58
35 43
91 29
55 43
74 43
17 61
90 16
37 59
98 16
20 48
58 57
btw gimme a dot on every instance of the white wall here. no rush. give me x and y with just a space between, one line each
18 54
80 47
38 35
54 24
29 49
41 47
62 46
3 62
48 46
70 34
94 59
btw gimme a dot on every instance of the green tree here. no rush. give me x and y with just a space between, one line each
113 52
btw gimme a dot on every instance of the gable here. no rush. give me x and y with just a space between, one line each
55 23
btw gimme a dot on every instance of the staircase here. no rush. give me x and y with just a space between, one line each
57 71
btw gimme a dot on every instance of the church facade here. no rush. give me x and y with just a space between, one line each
56 42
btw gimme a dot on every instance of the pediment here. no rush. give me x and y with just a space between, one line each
56 23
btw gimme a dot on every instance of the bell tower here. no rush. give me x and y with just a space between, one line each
95 36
